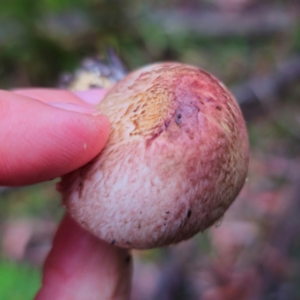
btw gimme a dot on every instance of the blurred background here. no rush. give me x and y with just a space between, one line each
253 46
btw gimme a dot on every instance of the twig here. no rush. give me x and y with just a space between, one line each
256 23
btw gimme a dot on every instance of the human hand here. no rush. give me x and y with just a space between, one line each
46 134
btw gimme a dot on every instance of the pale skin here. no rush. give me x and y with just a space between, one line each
47 133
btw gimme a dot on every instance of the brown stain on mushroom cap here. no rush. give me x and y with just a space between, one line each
176 159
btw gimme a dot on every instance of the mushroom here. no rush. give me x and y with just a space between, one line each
176 159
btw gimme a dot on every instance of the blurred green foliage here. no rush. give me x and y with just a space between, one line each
41 39
37 200
18 281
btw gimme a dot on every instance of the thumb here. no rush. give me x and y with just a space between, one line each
41 142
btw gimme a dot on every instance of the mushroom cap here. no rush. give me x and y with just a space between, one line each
176 158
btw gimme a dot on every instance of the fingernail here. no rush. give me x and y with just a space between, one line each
76 108
93 96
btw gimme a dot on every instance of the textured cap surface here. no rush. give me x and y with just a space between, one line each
176 159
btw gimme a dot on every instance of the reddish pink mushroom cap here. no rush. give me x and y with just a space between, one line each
176 159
